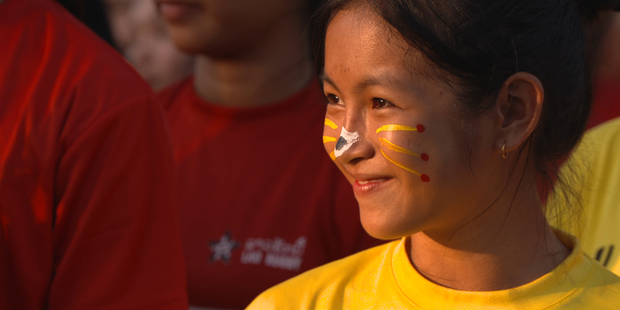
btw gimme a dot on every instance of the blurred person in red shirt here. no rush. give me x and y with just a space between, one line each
87 208
260 201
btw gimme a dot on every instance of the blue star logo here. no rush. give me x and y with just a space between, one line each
222 250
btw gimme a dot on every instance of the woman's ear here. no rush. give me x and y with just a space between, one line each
518 107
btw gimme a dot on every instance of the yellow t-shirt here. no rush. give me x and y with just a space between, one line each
383 278
594 172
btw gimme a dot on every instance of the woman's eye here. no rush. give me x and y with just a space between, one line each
332 99
378 103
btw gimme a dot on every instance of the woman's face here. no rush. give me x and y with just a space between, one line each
395 133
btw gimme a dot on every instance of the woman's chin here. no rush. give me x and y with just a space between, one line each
384 229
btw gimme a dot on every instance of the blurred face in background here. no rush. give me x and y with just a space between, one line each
141 35
226 28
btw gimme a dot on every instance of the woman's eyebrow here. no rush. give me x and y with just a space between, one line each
381 79
323 77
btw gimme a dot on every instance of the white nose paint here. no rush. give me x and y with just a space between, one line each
346 141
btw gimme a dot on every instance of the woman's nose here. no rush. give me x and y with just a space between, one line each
353 145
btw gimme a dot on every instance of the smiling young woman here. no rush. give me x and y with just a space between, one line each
444 116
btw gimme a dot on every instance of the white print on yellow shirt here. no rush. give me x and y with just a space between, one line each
274 253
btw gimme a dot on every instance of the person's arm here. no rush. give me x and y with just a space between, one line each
116 238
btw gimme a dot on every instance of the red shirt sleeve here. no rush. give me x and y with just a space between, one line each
88 217
116 243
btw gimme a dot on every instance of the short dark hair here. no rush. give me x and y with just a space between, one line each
590 8
92 13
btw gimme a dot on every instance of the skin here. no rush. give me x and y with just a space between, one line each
140 34
466 230
248 53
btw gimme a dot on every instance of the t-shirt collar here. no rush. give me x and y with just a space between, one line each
543 292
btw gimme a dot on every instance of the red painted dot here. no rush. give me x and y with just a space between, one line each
424 156
424 178
420 128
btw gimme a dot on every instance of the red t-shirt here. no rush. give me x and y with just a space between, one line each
87 216
260 199
606 103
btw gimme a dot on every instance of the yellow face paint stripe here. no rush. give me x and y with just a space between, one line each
399 164
330 123
396 148
394 127
329 139
332 155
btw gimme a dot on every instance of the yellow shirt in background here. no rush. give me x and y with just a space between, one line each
593 170
383 278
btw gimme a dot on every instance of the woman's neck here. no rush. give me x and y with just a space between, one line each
275 69
490 253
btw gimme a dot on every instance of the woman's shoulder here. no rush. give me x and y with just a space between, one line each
580 280
611 126
601 140
603 277
324 286
600 290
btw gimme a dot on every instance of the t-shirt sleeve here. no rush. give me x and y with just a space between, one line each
116 236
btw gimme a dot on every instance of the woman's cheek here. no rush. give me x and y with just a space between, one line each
401 145
331 132
445 164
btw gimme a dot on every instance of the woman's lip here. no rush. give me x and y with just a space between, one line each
367 186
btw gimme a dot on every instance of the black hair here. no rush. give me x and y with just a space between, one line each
312 6
92 13
481 43
590 8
